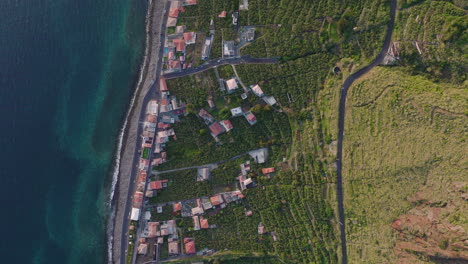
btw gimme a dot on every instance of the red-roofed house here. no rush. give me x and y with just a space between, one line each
204 223
162 85
190 37
190 2
179 44
189 246
227 125
268 170
142 176
177 207
206 116
250 118
174 12
222 15
174 65
157 185
152 229
216 199
216 129
137 199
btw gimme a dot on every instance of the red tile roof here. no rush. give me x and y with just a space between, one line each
137 199
152 229
191 2
216 129
188 35
157 185
190 247
142 176
222 15
251 117
163 85
227 124
174 12
151 118
177 207
204 223
180 44
216 199
174 64
268 170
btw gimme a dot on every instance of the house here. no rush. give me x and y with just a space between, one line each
174 65
196 223
162 85
190 2
204 223
158 185
189 246
235 17
177 207
259 155
269 100
203 174
257 90
216 199
179 44
228 48
211 103
206 116
207 48
222 14
142 249
206 203
135 215
137 199
250 34
244 5
180 29
190 37
261 229
250 118
216 129
248 213
227 125
173 248
197 211
152 107
144 163
174 12
142 176
266 171
236 111
153 229
171 22
245 182
231 85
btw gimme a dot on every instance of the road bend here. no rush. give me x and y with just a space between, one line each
341 120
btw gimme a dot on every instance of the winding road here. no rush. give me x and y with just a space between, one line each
341 119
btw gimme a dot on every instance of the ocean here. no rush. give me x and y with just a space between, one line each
67 73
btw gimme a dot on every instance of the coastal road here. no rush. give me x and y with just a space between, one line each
341 119
151 94
218 62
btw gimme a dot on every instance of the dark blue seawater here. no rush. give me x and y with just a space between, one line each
67 70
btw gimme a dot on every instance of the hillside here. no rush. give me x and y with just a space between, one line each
405 169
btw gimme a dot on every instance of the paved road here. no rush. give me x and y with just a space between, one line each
218 62
152 94
341 120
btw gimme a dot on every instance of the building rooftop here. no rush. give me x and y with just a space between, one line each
236 111
137 199
216 129
216 199
222 14
268 170
231 84
227 125
173 248
257 90
189 246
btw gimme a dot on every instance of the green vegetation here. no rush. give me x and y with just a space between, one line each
194 146
182 185
440 29
404 135
194 89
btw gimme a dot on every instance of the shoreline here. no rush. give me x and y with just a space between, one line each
123 171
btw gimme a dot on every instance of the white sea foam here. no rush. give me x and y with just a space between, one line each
118 153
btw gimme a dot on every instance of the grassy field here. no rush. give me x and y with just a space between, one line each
404 134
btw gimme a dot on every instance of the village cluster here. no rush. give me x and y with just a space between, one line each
176 56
